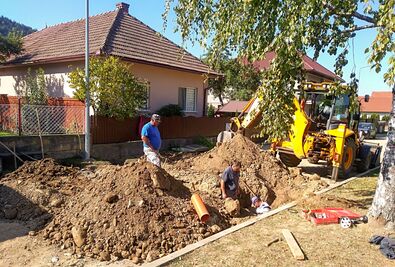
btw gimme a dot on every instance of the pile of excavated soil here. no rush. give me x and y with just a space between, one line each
263 173
36 191
136 211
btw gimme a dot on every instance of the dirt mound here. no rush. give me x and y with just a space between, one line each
261 172
37 190
328 201
136 211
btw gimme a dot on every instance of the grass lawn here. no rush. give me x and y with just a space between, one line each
6 134
323 245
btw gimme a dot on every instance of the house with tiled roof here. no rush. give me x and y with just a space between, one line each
315 72
174 75
380 102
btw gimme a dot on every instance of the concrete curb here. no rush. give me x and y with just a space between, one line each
192 247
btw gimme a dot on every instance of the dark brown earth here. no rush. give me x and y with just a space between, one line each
139 211
264 174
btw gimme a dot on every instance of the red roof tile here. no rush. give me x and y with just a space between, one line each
233 106
378 102
113 33
309 65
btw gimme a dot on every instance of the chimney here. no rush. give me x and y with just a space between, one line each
123 7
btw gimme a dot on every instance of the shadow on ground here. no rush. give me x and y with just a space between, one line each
18 215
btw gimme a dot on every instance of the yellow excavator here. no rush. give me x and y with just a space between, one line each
323 129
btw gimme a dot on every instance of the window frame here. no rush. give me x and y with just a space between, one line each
195 99
148 106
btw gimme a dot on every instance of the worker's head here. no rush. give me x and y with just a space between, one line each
236 166
255 201
155 119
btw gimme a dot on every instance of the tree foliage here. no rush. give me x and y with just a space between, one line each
114 90
210 111
11 33
33 87
386 118
10 45
240 80
7 26
251 28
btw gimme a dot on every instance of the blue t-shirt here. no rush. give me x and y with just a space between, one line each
153 134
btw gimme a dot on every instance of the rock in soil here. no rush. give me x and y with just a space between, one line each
232 207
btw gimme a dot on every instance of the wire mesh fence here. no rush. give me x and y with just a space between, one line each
44 120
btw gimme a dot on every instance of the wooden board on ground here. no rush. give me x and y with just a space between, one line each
293 245
192 247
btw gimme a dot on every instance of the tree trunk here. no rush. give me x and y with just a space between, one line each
220 98
384 199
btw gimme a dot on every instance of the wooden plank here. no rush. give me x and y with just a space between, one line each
293 245
191 247
212 238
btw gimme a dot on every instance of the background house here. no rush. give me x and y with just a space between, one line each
380 102
315 72
175 76
232 108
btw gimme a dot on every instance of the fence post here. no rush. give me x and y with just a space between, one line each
39 133
19 117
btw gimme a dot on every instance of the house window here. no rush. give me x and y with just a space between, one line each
187 99
146 104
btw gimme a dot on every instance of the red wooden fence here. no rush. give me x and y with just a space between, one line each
109 130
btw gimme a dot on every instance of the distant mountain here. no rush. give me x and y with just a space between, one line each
7 25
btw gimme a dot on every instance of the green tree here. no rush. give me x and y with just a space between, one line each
386 118
114 90
7 26
170 110
10 45
251 28
33 87
375 118
210 111
239 81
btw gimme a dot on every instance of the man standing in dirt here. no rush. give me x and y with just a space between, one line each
151 140
230 181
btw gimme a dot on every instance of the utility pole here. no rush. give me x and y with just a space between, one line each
87 151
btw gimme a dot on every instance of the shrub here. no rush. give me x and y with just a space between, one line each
170 110
210 111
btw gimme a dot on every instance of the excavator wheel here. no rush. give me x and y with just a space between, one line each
365 162
348 158
289 160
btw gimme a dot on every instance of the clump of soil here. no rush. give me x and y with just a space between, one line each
136 211
262 173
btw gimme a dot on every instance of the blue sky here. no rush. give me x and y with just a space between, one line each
38 14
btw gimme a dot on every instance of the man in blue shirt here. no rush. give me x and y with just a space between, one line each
151 140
